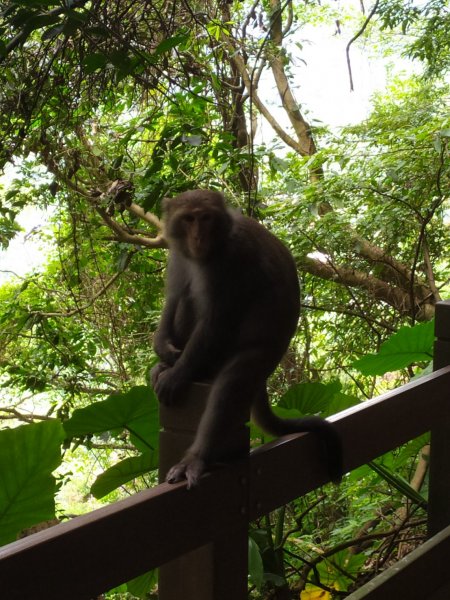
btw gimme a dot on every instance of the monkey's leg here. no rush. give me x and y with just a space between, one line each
228 407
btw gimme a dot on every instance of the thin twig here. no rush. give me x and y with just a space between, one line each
355 37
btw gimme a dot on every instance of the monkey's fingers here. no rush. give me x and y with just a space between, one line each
191 471
173 353
176 473
156 372
164 385
170 385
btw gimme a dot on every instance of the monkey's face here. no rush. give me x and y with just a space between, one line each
196 233
197 223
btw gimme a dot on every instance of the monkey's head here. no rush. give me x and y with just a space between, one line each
197 223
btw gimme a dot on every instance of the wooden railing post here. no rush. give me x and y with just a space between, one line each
219 570
439 493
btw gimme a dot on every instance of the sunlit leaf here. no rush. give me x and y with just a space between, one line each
124 471
28 456
142 585
409 345
311 398
136 410
315 593
399 483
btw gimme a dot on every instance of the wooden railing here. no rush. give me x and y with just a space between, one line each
208 526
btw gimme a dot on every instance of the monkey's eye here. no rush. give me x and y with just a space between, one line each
188 218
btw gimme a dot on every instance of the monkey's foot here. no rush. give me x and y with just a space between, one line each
191 470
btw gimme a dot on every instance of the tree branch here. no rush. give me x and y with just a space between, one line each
96 296
377 288
122 235
397 273
355 37
370 537
238 61
22 36
137 210
302 129
429 271
113 190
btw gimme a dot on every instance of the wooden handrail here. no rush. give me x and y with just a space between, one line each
439 487
367 431
97 551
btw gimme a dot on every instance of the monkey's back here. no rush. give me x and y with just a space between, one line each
264 271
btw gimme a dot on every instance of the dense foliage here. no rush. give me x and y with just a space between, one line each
107 107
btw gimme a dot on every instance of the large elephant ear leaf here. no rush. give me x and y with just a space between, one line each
28 456
409 345
124 471
135 410
313 398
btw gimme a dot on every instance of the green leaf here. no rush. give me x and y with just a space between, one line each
38 21
35 3
125 471
255 563
340 402
399 484
117 162
410 450
119 59
53 32
99 31
11 193
94 62
437 143
170 43
138 587
310 398
28 456
79 16
342 570
407 346
142 585
136 410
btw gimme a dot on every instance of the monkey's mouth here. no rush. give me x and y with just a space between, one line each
199 249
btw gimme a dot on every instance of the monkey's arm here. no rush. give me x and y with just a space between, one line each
164 347
200 350
163 343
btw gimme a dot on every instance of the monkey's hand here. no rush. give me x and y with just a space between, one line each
169 353
190 468
165 348
156 372
169 383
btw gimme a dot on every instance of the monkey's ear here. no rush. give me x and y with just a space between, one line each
165 204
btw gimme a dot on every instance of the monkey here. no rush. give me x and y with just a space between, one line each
231 308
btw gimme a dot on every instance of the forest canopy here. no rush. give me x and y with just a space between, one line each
108 107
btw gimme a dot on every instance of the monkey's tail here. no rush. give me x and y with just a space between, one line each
269 422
